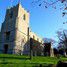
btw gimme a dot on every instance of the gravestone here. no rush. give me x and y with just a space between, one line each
48 50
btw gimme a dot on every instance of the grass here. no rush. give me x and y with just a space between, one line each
7 60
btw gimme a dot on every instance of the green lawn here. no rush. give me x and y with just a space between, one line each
7 60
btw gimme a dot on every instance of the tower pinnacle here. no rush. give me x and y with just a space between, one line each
19 1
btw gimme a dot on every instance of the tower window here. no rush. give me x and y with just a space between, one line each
24 17
7 35
11 14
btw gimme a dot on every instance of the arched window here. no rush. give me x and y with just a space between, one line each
24 17
11 14
8 35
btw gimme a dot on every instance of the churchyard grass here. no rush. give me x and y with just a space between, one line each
8 60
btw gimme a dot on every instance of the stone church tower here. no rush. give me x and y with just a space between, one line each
14 31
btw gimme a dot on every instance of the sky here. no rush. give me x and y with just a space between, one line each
43 21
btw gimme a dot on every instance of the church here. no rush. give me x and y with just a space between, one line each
15 33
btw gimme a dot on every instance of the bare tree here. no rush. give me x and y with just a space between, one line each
52 3
62 35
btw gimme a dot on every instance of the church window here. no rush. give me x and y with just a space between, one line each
11 14
7 35
24 17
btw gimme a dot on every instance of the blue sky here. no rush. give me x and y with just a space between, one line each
43 21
